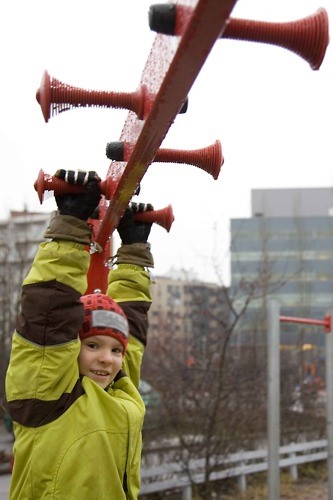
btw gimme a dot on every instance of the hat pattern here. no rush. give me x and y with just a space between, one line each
103 316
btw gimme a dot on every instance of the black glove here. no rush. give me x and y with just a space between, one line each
79 205
131 231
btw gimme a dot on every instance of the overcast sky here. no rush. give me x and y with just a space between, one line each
272 113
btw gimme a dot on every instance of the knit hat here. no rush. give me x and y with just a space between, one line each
103 316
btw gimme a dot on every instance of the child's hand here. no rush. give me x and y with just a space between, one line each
131 231
80 205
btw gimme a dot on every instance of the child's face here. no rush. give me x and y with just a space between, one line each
100 359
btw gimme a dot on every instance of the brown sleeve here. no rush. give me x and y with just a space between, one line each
137 316
51 313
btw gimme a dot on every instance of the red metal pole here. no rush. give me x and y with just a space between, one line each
326 323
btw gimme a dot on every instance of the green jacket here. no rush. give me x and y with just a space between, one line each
73 440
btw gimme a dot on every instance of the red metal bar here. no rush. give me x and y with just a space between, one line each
205 25
172 66
326 323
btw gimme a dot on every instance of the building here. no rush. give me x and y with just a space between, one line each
19 238
285 250
192 312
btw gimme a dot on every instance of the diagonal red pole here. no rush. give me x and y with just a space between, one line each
170 71
204 27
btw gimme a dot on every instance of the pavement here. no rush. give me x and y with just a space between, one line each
6 444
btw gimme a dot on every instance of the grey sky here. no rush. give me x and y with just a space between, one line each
271 112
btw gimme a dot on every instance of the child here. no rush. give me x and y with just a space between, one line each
71 384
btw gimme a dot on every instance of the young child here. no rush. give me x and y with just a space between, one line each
71 384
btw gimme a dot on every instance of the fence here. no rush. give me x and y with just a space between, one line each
181 476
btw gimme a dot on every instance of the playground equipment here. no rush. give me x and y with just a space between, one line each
307 37
163 217
162 94
273 384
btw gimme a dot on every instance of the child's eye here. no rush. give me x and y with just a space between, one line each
92 345
117 350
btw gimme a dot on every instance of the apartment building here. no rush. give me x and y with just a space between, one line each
20 235
192 312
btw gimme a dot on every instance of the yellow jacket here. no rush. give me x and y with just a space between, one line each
73 440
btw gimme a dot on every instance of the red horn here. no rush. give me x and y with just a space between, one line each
307 37
55 97
209 159
46 182
163 217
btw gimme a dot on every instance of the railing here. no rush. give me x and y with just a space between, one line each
181 475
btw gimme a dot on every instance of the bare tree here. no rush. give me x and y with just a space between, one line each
212 400
213 387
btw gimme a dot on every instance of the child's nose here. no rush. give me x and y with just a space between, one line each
105 356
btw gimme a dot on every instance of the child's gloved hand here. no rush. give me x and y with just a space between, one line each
131 231
79 205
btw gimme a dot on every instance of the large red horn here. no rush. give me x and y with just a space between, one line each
55 97
307 37
209 159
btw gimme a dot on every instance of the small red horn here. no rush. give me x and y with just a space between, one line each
46 182
163 217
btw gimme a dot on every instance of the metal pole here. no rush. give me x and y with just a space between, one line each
273 410
187 492
329 407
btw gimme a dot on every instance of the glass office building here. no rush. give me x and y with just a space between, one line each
285 251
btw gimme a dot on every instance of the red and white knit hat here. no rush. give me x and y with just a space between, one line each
103 316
